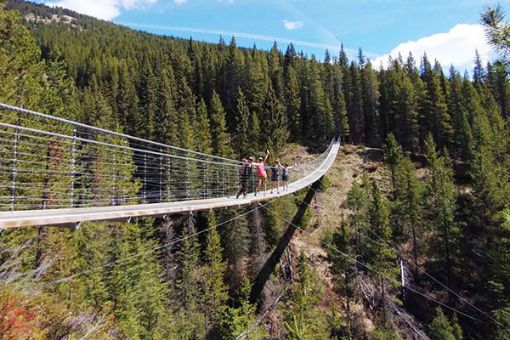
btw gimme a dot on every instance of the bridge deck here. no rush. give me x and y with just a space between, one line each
75 215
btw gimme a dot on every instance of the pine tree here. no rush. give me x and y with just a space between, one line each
139 293
293 102
93 252
186 293
478 72
151 294
497 29
441 329
342 122
303 320
121 284
434 117
242 135
392 156
188 255
456 109
355 105
357 201
236 235
332 78
127 101
430 151
343 270
275 63
457 330
240 322
441 207
203 140
411 69
214 289
254 133
319 116
407 129
186 104
148 103
501 87
233 73
220 136
408 205
380 256
275 123
167 117
370 104
257 82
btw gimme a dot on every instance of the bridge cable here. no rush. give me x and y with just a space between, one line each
376 271
154 249
384 244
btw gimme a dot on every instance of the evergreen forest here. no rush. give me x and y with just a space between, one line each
429 199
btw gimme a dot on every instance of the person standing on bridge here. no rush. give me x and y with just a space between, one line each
250 184
275 176
244 174
261 173
285 177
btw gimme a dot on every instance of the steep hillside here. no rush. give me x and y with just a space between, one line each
424 189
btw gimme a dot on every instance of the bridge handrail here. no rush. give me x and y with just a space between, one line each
118 134
68 216
50 166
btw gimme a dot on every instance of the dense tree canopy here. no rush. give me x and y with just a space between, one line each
451 218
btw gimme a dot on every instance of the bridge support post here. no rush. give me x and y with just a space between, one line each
160 170
144 178
271 263
14 170
168 170
73 168
113 179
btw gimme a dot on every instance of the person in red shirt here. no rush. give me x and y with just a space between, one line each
261 173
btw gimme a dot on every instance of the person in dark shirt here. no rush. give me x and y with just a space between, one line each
244 175
285 177
250 184
275 177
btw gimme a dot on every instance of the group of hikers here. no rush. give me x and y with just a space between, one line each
278 172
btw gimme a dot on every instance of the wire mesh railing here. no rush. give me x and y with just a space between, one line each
48 162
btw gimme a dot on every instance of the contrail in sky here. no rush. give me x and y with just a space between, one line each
244 35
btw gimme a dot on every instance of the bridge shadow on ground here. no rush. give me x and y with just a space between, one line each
271 263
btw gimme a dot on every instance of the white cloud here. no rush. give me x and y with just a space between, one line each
179 2
457 47
101 9
292 25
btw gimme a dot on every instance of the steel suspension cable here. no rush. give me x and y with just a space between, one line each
354 260
389 247
154 249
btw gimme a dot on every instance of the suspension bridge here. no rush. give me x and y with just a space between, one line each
55 171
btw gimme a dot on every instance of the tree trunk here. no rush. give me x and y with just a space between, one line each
415 253
448 264
383 298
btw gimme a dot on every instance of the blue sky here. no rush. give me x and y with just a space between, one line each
448 30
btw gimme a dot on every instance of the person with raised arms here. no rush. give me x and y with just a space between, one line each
261 173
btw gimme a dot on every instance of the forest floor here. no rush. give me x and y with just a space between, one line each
328 209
